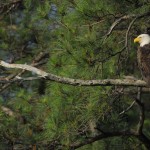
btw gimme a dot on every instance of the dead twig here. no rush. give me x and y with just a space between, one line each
128 108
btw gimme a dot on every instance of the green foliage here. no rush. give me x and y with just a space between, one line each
73 33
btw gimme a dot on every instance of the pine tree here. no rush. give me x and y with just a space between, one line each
70 38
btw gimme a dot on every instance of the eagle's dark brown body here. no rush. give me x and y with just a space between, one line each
143 56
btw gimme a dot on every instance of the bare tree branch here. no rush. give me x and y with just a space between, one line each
127 33
116 23
141 110
127 109
24 67
103 136
18 79
79 82
125 17
38 60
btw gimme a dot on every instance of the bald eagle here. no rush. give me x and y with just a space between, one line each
143 56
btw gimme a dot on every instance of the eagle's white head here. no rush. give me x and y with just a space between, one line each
143 39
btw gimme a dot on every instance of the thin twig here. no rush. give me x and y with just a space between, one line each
127 33
142 111
125 17
116 23
127 109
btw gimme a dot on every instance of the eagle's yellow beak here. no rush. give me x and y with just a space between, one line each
137 40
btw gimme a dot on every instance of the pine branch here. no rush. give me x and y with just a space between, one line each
103 136
70 81
38 60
